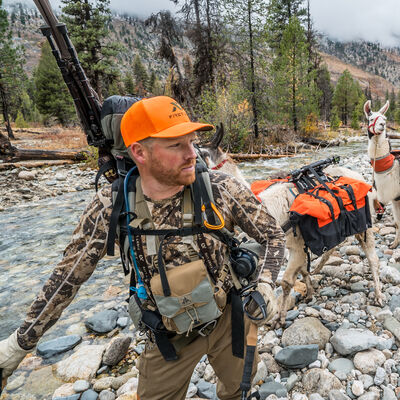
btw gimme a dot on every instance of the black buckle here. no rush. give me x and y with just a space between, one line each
209 326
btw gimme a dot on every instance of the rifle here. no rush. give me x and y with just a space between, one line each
86 100
305 177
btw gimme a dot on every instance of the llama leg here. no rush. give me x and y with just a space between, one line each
307 280
295 263
368 245
324 258
396 216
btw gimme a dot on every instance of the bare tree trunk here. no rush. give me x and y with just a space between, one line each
6 148
252 77
4 107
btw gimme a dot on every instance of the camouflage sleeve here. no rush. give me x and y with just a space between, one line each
87 247
240 204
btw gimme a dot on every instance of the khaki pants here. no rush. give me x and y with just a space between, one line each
169 380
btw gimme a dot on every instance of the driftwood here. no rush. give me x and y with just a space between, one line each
322 143
393 135
34 164
244 157
31 154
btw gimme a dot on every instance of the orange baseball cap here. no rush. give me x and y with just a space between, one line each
160 117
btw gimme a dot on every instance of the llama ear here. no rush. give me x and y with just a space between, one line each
384 108
217 138
367 108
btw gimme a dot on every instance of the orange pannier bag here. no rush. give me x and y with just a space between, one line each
259 186
330 212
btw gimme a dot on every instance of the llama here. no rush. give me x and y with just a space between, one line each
386 168
278 199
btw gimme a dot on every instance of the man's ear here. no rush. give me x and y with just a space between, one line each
138 152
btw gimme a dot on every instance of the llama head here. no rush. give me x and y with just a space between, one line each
376 120
211 152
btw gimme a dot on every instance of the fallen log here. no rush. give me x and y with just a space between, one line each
393 135
244 157
33 164
31 154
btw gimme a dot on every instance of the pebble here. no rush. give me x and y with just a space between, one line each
89 395
369 360
116 350
349 341
357 388
380 375
341 364
106 395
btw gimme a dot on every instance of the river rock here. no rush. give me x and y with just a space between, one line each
327 315
103 383
306 331
118 381
297 356
392 325
116 350
367 380
64 390
328 291
268 388
369 396
352 250
315 396
336 271
334 260
394 302
59 345
81 385
15 383
271 364
261 374
106 395
388 394
380 375
89 395
358 298
337 395
387 230
27 175
357 388
390 275
206 389
352 340
130 386
341 364
83 364
369 360
102 322
320 381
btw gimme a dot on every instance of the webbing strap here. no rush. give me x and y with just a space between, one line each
115 216
237 319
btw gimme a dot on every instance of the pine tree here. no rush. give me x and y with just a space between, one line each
88 23
326 89
12 75
335 120
51 96
246 21
129 85
279 14
141 76
295 94
346 95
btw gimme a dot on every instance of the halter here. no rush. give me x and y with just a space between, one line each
373 125
220 165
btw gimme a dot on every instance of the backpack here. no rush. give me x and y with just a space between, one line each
330 212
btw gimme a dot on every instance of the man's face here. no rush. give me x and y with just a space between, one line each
172 161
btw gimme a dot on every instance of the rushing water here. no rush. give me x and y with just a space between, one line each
33 237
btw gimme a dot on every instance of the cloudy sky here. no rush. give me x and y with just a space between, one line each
371 20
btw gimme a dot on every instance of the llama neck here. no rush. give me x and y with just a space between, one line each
378 146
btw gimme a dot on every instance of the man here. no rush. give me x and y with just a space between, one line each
160 138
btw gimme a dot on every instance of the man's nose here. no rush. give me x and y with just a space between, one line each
190 152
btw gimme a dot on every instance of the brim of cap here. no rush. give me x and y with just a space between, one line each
182 129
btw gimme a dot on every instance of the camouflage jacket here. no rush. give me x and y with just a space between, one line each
237 204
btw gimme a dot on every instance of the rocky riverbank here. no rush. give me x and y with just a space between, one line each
341 345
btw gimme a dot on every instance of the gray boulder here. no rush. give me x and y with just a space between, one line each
352 340
102 322
57 346
297 356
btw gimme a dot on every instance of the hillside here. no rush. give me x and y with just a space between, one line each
369 63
